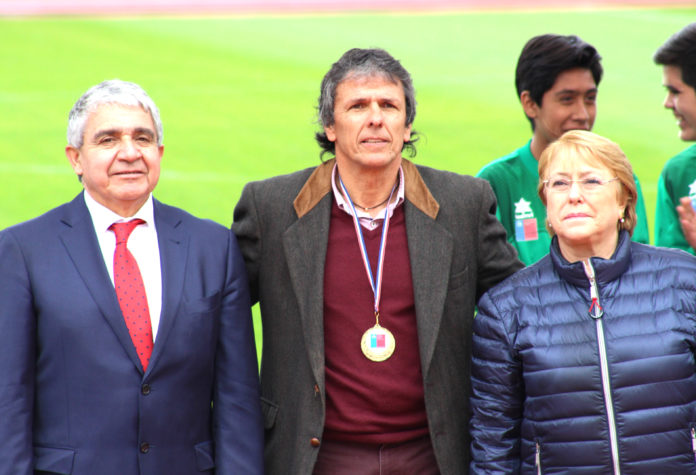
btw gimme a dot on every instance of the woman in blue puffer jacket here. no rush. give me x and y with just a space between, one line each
583 363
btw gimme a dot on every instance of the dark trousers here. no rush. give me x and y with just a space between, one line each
348 458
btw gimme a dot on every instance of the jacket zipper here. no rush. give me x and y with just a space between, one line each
537 457
604 365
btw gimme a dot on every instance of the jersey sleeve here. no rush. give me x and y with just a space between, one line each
640 232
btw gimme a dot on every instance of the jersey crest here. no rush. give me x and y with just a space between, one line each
692 194
525 221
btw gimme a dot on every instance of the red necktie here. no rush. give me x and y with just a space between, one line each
131 292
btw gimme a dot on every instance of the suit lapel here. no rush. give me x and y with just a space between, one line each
430 248
173 247
304 244
80 241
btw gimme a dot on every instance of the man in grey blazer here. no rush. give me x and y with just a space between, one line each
367 269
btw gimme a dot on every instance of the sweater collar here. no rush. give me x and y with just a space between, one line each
606 270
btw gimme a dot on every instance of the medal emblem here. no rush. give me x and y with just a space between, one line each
377 343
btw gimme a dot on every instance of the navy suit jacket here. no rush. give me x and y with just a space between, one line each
73 397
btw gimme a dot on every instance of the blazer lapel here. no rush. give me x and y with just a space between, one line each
173 247
304 244
430 248
80 241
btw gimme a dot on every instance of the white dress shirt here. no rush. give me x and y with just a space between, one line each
142 243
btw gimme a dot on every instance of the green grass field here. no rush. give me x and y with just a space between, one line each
237 95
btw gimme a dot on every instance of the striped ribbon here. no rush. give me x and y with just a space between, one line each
376 285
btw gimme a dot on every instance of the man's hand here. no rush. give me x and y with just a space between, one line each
687 219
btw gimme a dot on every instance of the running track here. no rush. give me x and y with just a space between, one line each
234 7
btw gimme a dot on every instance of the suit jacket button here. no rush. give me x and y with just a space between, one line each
145 389
315 442
144 447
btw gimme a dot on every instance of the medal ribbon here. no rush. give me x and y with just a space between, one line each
376 286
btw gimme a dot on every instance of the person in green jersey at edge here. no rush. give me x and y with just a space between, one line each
556 79
675 219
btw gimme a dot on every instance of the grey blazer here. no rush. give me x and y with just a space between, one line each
457 250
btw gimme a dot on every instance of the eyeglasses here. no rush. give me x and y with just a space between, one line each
562 185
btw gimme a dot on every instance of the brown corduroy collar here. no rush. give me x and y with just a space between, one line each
319 184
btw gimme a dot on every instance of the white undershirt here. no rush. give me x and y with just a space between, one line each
142 243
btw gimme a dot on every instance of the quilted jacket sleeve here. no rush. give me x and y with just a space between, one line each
497 394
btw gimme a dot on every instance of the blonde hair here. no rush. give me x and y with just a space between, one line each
593 148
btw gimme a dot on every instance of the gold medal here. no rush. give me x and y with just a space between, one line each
377 343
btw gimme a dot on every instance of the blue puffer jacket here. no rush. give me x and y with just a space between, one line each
556 390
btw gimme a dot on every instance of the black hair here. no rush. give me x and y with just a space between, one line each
545 57
680 50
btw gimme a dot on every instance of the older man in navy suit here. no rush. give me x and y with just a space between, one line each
126 343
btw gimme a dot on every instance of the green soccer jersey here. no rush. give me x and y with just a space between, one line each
514 179
678 179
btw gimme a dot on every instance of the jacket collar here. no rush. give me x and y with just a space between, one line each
319 184
606 270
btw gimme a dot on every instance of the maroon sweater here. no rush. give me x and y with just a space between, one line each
367 401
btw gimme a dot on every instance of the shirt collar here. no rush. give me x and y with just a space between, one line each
345 206
103 217
318 185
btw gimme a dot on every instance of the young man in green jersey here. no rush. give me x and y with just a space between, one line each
675 220
556 79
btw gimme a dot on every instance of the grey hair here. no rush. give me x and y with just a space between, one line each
113 91
356 63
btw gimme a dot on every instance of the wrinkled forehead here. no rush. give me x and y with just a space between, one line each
363 86
113 110
116 117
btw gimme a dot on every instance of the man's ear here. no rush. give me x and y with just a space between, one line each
75 158
531 108
330 133
407 133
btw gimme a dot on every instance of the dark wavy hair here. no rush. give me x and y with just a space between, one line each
359 62
680 50
545 57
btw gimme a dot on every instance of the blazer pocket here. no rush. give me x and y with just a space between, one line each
269 410
51 459
205 455
458 279
204 305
